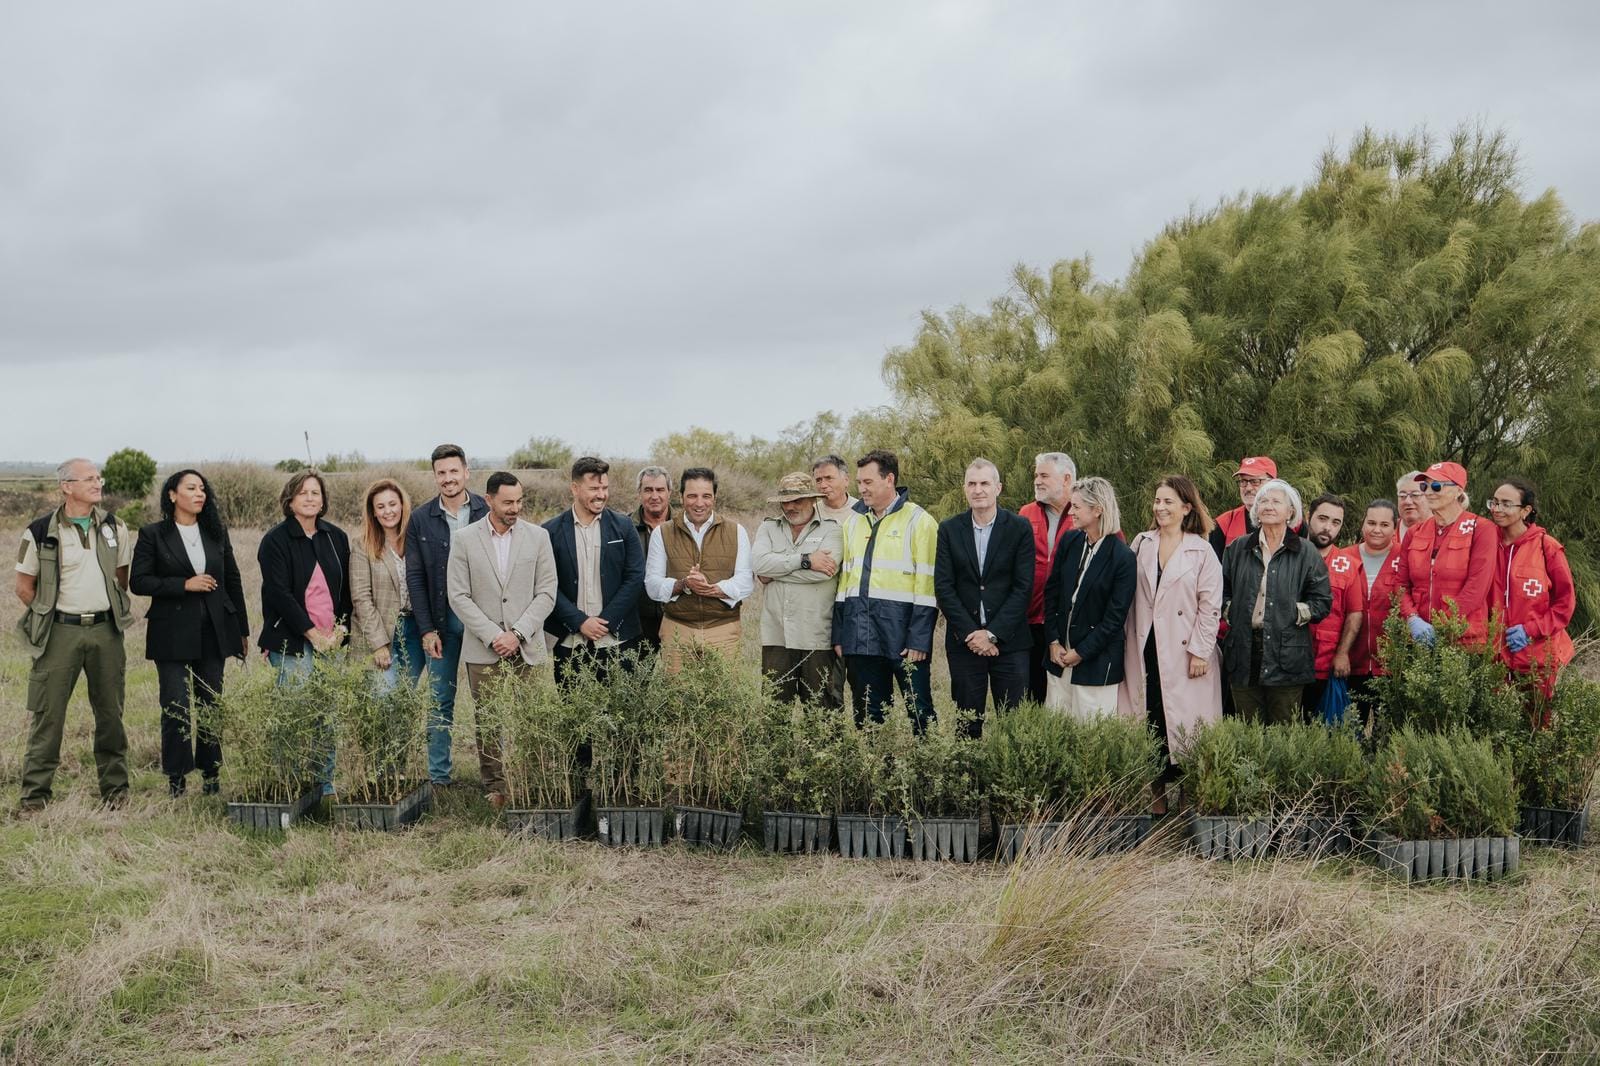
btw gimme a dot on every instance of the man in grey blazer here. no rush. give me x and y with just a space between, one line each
501 582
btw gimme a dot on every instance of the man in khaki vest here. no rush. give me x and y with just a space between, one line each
698 569
72 579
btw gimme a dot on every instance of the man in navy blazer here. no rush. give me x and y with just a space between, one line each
428 536
983 578
599 575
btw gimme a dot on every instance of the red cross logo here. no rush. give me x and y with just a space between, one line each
1340 564
1533 588
1394 564
1467 525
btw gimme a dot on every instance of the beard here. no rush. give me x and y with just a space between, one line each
1321 541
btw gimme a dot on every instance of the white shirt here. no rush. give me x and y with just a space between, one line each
586 539
659 586
502 548
190 535
980 542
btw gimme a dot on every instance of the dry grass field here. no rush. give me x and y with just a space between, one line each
158 933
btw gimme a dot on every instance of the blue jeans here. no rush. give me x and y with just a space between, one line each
293 670
442 679
405 655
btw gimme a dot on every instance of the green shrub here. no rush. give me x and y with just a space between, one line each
289 466
1112 761
1025 750
541 729
275 738
1445 687
381 734
134 514
713 719
1557 766
627 716
1426 786
870 769
943 771
541 453
1313 769
1225 769
129 472
799 758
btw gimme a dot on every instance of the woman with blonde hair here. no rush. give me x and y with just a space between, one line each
1086 602
1171 669
381 604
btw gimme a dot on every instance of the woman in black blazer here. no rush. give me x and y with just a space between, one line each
197 619
1086 604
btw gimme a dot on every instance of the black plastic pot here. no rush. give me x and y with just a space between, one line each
551 823
1092 834
386 816
1465 859
870 836
639 827
702 827
1229 838
1553 825
788 833
944 839
1310 836
274 815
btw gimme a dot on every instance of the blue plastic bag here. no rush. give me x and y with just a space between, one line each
1335 701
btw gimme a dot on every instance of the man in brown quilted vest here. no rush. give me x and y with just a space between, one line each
698 569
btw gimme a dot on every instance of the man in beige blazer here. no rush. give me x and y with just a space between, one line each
501 583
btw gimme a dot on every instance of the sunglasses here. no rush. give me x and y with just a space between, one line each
1440 486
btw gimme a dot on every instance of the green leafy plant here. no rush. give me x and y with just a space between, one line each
1113 759
799 757
1557 765
942 773
1445 686
541 453
627 717
1225 769
712 721
381 734
1025 750
1428 786
276 736
1312 769
128 472
541 729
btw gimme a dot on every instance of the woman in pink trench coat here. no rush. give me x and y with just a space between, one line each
1172 630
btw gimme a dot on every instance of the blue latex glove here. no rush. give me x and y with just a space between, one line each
1421 631
1516 638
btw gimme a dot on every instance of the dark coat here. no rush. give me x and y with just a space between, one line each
1288 653
287 558
1092 625
621 575
177 617
1004 586
427 554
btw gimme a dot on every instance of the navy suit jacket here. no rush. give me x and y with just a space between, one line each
1093 627
621 575
427 555
1003 586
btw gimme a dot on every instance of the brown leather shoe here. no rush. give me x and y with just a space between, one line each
497 801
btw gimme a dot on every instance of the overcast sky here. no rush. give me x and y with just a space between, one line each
393 224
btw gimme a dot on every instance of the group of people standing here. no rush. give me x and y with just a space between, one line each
1254 613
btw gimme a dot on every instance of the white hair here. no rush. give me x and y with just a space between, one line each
652 471
1407 481
1060 460
64 471
981 463
1296 508
1097 492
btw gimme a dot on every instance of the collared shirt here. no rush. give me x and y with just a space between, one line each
659 586
840 515
587 540
1258 613
81 588
461 519
980 541
398 565
502 548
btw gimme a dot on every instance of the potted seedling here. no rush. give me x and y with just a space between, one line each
871 760
1558 765
1225 774
544 731
628 776
1113 760
381 775
277 743
799 758
1445 686
711 728
1315 775
940 787
1442 806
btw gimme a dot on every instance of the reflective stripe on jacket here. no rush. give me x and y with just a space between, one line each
886 601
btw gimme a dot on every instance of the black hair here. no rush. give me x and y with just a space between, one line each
698 473
888 465
448 451
1327 497
499 480
1387 505
587 465
210 519
1529 495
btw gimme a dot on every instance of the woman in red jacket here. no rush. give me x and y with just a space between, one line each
1534 596
1447 564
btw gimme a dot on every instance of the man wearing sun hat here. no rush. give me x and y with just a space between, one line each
1254 471
1448 561
796 557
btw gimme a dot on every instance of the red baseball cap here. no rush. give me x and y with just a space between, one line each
1257 466
1454 473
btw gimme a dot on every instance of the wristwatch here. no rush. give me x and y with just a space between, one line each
805 562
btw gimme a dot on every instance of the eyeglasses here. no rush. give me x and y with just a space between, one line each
1440 486
1415 494
1494 503
95 480
1252 482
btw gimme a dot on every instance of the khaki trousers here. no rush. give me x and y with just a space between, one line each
491 769
1079 701
97 653
725 638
